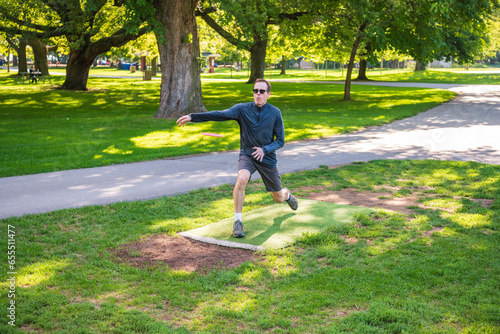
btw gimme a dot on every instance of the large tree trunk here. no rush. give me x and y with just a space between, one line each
355 46
179 48
362 70
21 54
363 63
420 66
19 45
153 66
77 69
40 52
258 58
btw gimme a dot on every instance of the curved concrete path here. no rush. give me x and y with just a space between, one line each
466 128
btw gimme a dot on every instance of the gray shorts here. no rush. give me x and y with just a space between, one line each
270 175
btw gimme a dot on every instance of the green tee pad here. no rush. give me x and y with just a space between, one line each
277 226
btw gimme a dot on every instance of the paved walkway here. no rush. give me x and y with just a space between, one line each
466 128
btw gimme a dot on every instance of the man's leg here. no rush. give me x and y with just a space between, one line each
239 198
239 190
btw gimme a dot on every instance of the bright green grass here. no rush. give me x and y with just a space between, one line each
444 75
381 274
448 76
44 130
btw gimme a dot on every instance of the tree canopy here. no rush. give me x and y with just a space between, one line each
423 29
86 29
245 24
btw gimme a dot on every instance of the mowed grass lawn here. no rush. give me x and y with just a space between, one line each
478 75
432 271
45 129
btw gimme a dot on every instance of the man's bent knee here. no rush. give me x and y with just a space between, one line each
243 178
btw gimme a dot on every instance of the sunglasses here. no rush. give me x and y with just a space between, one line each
262 91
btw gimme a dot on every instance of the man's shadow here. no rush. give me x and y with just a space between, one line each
259 239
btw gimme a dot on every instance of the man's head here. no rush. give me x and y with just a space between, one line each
261 92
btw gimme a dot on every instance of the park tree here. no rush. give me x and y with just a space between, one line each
350 22
450 30
230 54
174 24
245 24
282 46
299 38
318 46
89 28
424 29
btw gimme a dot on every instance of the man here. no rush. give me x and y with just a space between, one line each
261 134
32 72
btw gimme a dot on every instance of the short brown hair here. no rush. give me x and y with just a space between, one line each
267 83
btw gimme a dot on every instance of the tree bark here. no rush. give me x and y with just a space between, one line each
363 63
420 66
355 46
258 58
362 70
77 70
40 52
153 66
180 92
21 54
283 65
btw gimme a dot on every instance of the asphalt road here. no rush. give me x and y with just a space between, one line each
466 128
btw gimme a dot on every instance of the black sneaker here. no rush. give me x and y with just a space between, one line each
292 201
238 229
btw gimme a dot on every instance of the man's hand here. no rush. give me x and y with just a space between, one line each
258 154
183 120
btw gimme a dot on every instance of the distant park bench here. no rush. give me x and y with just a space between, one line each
28 77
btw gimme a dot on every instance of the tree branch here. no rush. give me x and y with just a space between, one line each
119 38
16 31
221 31
4 15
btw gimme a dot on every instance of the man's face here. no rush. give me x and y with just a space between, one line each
260 98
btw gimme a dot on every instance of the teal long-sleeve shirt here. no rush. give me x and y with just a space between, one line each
259 127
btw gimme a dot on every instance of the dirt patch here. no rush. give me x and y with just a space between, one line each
351 196
430 232
484 202
181 253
